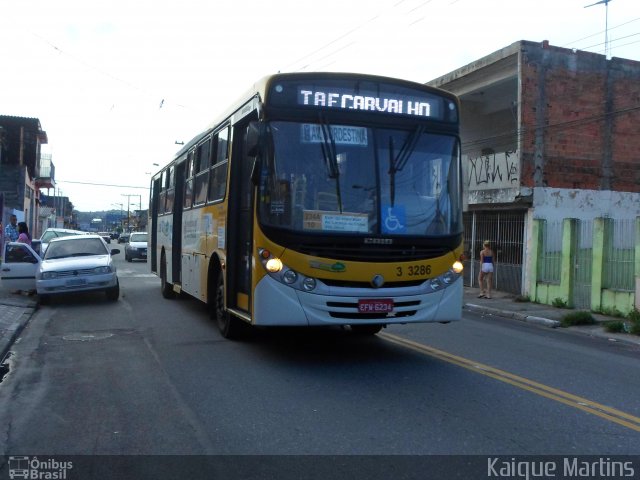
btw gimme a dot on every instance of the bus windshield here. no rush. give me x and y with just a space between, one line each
319 178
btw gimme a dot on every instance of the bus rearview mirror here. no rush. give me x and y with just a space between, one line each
253 139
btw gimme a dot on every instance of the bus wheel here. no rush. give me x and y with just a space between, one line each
166 288
228 324
366 329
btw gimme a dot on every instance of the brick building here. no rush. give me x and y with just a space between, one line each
548 134
22 171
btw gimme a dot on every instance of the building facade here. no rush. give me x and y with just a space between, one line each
548 134
22 175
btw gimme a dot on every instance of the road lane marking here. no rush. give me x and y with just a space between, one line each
588 406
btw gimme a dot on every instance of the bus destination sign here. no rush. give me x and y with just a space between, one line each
395 104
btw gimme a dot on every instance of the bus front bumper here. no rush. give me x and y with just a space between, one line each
276 304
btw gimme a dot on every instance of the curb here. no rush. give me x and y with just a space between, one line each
546 322
523 317
9 335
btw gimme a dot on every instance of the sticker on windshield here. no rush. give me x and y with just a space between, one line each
394 219
336 221
342 135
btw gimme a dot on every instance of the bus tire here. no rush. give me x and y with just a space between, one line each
229 325
166 287
366 329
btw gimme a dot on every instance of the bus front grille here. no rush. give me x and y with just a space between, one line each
371 253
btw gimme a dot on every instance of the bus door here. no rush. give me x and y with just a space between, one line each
176 244
153 227
240 223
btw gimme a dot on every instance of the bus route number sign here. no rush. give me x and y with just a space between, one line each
375 305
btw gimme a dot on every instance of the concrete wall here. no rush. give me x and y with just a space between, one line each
558 203
602 299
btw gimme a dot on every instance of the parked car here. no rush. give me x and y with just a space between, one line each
75 263
51 233
106 236
123 238
136 247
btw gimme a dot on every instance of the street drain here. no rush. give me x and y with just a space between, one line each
87 337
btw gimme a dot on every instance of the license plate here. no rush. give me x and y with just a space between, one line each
375 305
75 282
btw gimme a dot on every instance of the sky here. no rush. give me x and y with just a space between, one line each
116 84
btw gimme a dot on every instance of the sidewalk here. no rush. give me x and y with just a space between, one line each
505 305
15 311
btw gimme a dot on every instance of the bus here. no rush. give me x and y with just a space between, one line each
317 199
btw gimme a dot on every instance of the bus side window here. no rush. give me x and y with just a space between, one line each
170 193
162 194
161 202
188 184
218 177
202 172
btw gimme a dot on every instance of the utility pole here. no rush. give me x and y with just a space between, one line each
128 209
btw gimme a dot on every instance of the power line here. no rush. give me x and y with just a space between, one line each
100 184
602 31
128 84
346 34
560 126
615 40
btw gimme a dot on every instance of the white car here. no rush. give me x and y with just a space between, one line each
70 264
136 247
51 233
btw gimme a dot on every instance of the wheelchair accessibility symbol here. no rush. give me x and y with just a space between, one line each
393 219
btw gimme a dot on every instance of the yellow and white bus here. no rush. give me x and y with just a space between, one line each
317 199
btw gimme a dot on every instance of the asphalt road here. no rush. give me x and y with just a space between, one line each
149 376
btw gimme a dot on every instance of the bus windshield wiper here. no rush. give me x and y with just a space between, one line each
398 163
331 158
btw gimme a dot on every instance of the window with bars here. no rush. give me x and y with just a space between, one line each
550 258
619 255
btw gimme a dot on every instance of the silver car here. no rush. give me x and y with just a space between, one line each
51 233
136 247
76 264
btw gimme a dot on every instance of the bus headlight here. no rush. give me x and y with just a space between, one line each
273 265
457 267
309 284
289 276
448 277
283 274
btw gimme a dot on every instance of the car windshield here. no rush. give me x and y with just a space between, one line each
138 237
321 178
50 234
76 248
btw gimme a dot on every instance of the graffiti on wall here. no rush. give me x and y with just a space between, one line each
494 171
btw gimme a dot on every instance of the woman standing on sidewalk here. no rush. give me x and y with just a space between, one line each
486 270
23 233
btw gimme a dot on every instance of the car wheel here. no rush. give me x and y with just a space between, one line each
113 292
230 326
128 259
